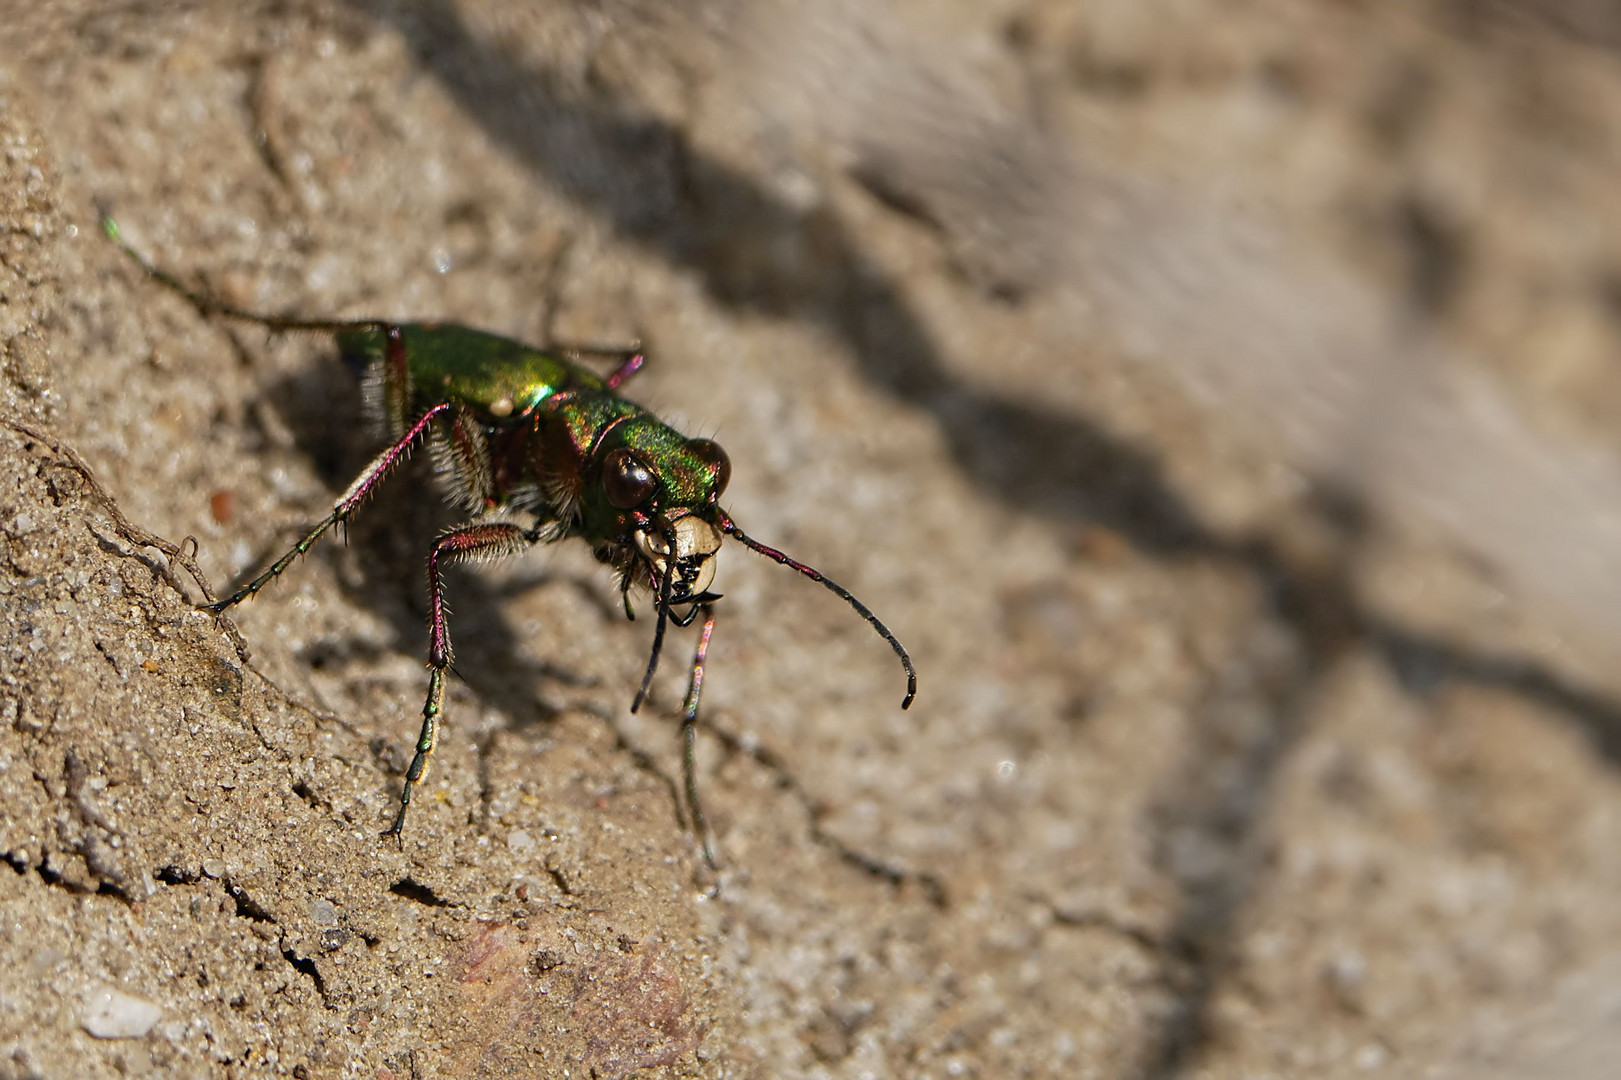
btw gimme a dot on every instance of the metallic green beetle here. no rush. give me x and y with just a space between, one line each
518 429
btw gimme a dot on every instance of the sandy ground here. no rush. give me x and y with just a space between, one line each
1219 399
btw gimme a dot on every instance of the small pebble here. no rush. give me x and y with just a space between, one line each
520 841
112 1014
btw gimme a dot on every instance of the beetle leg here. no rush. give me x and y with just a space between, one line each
358 492
491 540
632 364
689 735
630 359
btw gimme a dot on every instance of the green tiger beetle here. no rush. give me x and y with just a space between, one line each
516 429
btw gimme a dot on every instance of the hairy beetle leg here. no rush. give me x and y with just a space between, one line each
364 484
489 540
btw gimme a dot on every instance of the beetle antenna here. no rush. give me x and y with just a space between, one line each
658 629
212 305
728 526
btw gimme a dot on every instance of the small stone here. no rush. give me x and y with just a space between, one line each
112 1014
1372 1057
520 842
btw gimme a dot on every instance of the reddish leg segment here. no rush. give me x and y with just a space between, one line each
363 486
489 541
633 363
630 360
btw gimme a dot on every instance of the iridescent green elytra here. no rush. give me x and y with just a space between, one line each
524 433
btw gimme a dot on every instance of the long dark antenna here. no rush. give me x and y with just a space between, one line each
211 305
728 526
658 629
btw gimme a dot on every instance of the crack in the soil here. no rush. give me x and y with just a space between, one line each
246 906
412 889
307 966
174 875
57 879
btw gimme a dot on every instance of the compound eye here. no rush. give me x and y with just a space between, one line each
710 453
625 480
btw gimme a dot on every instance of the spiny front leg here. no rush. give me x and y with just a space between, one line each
491 540
363 486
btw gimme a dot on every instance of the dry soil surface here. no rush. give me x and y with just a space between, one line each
1219 399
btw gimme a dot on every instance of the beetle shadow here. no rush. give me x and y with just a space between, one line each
644 180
